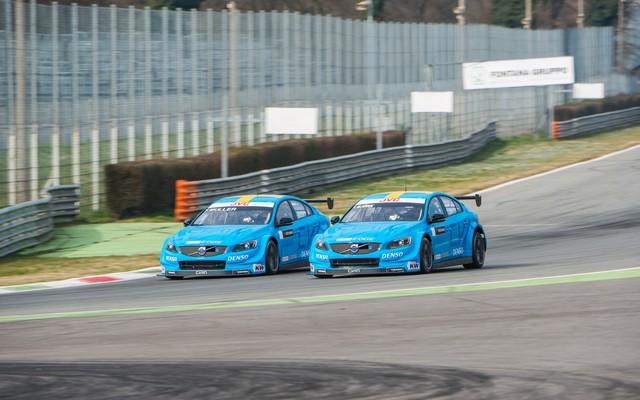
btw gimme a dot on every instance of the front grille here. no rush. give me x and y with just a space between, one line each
210 250
202 264
363 248
354 262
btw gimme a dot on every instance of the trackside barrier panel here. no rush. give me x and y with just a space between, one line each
31 223
595 123
193 196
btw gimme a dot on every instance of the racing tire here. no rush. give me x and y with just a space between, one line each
426 256
271 258
479 250
323 276
174 278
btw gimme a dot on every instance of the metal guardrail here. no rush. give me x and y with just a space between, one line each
192 196
595 123
32 223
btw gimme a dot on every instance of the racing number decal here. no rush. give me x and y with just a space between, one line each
438 230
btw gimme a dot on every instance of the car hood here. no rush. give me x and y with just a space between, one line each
218 234
368 231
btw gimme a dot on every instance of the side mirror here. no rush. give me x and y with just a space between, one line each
334 219
285 221
438 218
187 222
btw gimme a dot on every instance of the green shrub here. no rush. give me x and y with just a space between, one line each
148 187
571 111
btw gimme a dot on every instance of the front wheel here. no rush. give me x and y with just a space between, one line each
271 258
479 250
426 256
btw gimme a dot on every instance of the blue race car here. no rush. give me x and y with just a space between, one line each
244 235
400 232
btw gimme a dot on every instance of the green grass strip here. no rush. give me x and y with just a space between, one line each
472 287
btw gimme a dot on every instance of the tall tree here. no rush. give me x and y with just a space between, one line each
507 13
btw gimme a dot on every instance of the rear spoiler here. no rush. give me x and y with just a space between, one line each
475 197
328 200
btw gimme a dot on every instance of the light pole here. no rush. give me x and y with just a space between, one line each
460 12
580 16
526 21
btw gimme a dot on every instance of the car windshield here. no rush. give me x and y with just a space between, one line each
376 212
245 215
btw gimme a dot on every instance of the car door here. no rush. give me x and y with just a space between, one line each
440 234
287 238
304 227
455 222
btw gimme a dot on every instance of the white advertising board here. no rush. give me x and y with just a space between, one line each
291 121
588 90
517 73
436 102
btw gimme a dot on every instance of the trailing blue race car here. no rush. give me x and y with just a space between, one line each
244 235
400 232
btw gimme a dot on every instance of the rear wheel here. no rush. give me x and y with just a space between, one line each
271 258
479 250
426 256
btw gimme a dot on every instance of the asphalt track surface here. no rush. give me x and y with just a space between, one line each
554 314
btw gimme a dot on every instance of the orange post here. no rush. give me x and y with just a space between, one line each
185 205
555 130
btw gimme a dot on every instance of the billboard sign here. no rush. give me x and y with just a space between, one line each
518 73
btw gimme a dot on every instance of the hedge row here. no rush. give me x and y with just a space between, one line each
148 187
571 111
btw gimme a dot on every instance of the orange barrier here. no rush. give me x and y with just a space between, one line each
186 206
555 130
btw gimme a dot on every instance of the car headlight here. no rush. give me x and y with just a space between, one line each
320 245
248 245
402 242
171 247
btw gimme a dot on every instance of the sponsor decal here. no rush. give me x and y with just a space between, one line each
161 269
457 251
304 253
258 268
355 239
411 200
287 233
440 256
395 254
203 242
285 258
241 272
240 203
412 266
353 270
438 230
171 258
322 256
201 272
242 257
395 269
311 267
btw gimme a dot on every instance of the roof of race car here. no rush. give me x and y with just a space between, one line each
396 196
248 200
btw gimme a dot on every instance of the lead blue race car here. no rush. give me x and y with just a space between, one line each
400 232
244 235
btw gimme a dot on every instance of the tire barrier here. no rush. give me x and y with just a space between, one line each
31 223
193 196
